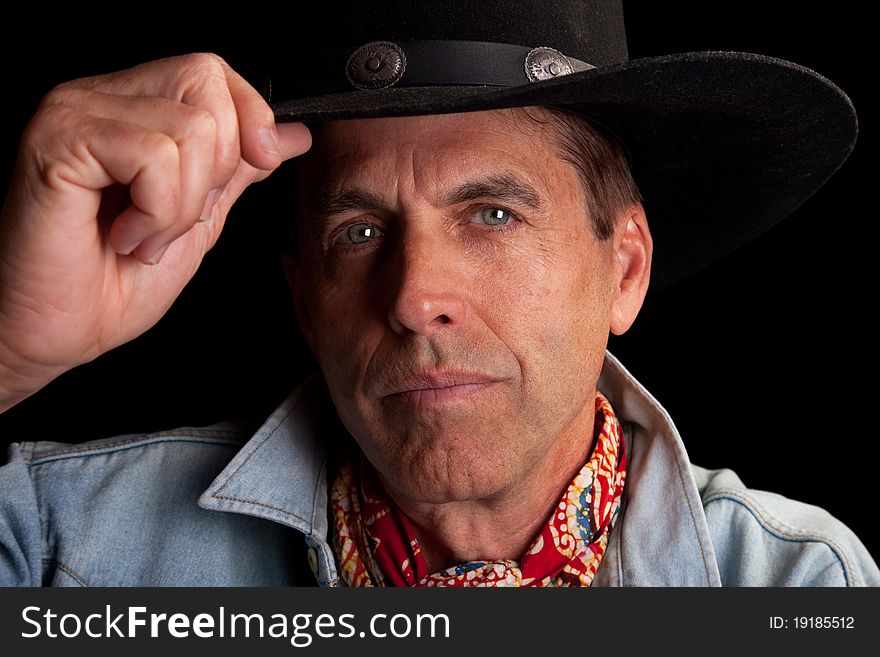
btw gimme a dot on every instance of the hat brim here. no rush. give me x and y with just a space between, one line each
723 144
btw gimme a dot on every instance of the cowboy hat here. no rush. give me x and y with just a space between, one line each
723 145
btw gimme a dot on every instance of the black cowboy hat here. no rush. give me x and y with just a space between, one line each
723 145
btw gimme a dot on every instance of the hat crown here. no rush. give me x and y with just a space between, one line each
714 148
588 30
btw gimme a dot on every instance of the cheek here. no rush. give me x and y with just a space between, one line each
345 345
346 332
555 317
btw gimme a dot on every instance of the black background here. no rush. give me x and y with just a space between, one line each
762 359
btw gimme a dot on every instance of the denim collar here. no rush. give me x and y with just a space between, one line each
660 539
281 472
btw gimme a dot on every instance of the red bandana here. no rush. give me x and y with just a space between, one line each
375 544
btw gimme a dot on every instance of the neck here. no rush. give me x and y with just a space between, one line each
504 525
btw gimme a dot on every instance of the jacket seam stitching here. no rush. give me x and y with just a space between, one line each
256 448
27 452
619 546
120 447
317 491
295 402
335 580
693 521
266 506
766 522
69 571
627 431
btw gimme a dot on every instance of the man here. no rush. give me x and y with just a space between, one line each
456 275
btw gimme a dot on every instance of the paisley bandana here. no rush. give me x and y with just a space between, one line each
376 546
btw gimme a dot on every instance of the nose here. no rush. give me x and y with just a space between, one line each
429 288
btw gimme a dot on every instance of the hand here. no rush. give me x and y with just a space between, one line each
123 182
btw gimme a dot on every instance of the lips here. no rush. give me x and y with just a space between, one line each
436 387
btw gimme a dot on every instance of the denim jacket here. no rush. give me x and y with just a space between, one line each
193 507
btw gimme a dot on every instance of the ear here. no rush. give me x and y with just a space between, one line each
294 275
633 249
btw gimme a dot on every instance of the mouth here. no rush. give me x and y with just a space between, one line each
429 389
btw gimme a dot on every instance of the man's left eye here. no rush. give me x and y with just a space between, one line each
359 233
494 217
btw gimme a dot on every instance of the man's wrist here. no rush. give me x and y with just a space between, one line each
19 379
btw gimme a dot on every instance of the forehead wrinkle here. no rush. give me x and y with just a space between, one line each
421 168
339 187
384 179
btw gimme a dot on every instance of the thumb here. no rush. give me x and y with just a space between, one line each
294 139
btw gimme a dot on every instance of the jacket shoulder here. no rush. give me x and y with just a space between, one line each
765 539
45 452
123 511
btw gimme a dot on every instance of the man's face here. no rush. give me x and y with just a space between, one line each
454 296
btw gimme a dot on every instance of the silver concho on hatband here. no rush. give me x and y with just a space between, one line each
545 63
376 65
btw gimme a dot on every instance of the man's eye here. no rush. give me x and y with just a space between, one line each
359 234
494 217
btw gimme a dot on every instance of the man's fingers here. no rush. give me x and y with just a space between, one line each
260 145
197 79
88 153
223 129
295 139
194 128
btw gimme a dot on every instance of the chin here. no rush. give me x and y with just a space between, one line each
449 471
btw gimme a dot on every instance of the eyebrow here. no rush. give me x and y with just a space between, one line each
328 204
503 186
